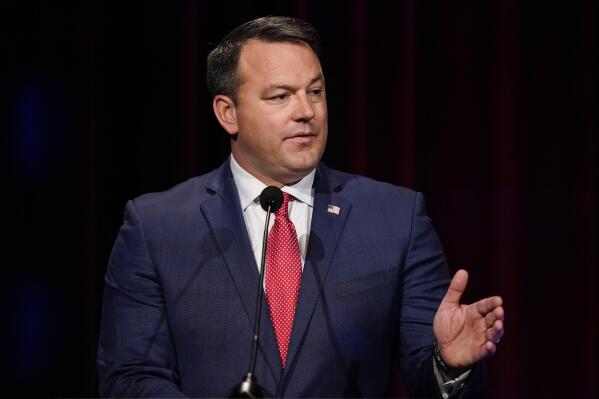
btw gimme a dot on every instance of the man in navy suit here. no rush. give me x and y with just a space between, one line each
181 283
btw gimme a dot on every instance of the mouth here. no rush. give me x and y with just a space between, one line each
301 137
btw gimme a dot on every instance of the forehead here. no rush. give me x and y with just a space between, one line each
267 62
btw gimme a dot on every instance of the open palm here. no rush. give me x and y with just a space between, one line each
467 333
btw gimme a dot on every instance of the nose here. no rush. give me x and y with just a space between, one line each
304 108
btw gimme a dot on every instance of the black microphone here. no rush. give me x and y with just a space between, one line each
271 200
271 197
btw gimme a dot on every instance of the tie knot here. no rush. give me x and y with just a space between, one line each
287 198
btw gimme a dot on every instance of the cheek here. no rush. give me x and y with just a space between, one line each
272 130
262 135
263 120
323 112
263 128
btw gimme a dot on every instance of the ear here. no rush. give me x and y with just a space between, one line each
226 113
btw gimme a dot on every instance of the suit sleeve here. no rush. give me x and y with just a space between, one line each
425 281
136 356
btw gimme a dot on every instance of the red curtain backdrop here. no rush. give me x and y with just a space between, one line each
487 107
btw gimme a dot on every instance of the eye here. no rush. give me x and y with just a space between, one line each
279 97
316 92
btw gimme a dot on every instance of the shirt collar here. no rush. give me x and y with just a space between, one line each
249 188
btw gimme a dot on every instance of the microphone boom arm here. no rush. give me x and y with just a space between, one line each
259 297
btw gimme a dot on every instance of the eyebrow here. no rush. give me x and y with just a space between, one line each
287 87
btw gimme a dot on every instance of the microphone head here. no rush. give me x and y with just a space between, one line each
271 196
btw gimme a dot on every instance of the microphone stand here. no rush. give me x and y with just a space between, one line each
249 388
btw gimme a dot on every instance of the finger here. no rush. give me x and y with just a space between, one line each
490 319
486 305
499 312
456 287
498 337
496 314
495 332
489 349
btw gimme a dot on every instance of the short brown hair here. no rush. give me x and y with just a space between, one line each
221 74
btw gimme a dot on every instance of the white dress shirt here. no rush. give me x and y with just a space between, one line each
300 210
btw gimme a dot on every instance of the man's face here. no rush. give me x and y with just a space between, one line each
281 111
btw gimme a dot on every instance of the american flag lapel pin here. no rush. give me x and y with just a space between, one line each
333 209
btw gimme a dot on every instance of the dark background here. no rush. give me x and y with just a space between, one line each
487 107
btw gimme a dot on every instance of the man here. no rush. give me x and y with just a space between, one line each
356 281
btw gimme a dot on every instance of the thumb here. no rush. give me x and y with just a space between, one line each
456 288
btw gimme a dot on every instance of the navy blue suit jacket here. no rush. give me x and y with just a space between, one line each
181 284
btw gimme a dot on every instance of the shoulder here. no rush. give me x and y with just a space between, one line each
192 189
180 201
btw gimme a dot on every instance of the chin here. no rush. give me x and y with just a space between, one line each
307 160
297 172
304 167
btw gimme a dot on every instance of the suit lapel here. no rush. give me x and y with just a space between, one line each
326 228
224 216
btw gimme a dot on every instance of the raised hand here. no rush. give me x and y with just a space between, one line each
467 333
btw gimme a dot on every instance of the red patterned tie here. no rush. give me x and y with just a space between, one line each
283 275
